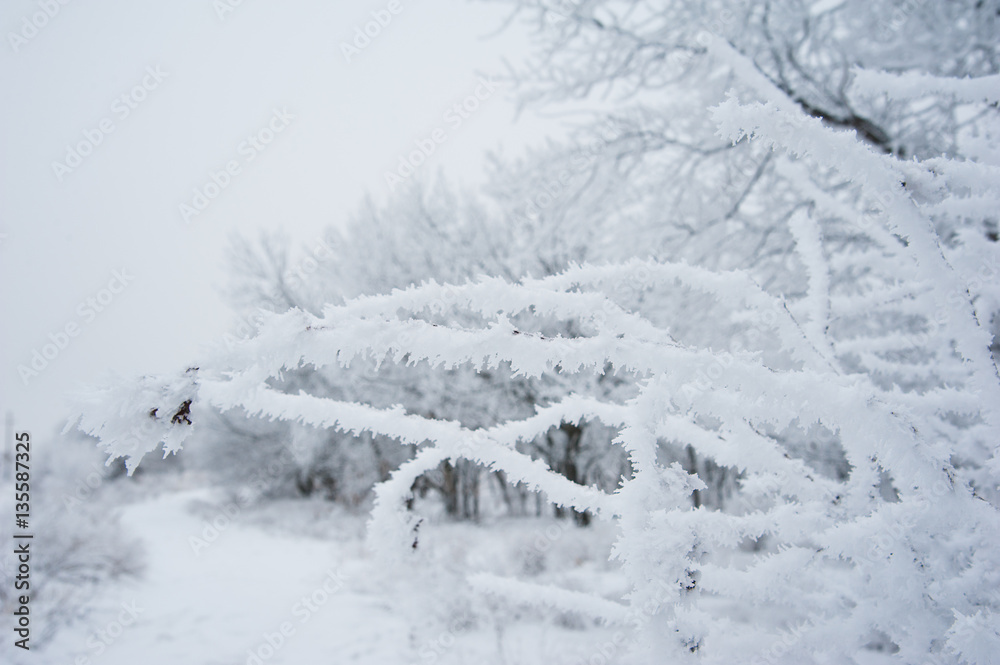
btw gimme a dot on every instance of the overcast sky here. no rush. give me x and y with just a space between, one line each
155 97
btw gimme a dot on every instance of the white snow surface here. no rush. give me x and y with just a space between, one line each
213 606
221 605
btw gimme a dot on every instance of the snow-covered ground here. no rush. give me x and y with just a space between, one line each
292 582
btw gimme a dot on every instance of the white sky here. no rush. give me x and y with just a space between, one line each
224 77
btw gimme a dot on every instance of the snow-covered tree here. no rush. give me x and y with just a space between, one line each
650 177
421 234
872 339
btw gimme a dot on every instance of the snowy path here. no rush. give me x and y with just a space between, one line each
235 595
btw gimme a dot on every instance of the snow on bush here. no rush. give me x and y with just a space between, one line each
79 546
888 350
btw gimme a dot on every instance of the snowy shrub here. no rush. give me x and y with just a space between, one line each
855 419
78 548
420 234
